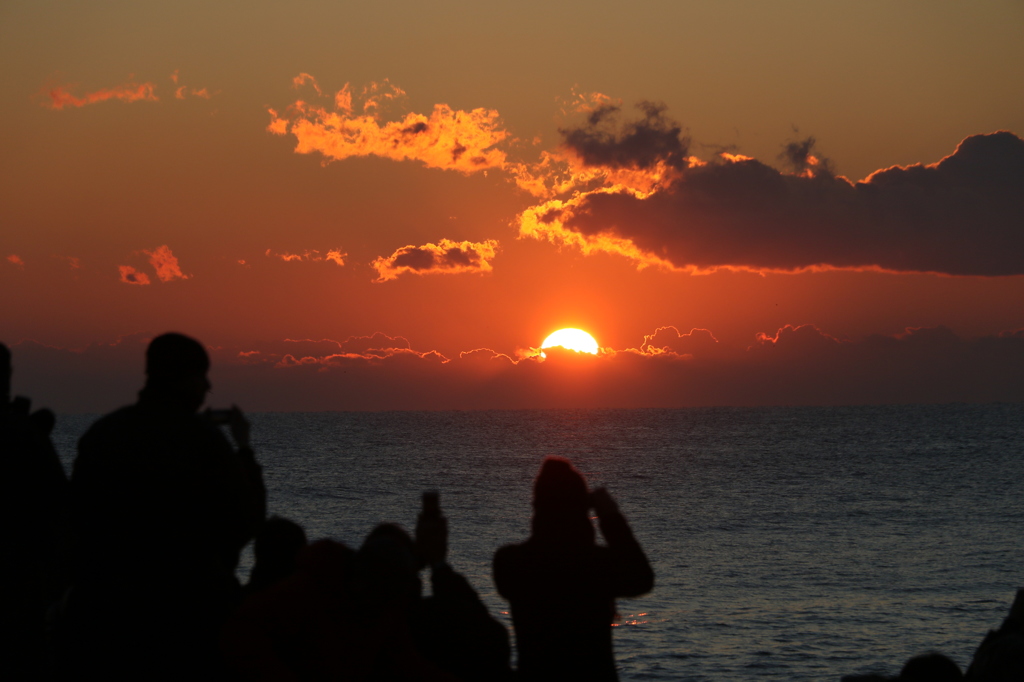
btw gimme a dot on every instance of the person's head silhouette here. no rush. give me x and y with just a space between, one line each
176 368
561 502
931 667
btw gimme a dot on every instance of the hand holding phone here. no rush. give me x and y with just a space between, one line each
602 502
431 530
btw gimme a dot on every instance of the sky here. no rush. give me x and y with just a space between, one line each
390 205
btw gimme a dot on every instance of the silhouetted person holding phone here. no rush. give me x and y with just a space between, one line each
562 585
452 628
33 498
163 505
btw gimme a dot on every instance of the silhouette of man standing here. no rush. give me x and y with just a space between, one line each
163 505
33 496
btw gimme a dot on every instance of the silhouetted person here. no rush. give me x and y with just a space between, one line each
342 615
452 627
33 497
562 586
163 505
385 581
304 626
931 667
276 548
1000 656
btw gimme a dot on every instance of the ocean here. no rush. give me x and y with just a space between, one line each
788 543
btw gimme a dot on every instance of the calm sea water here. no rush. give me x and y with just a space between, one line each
788 543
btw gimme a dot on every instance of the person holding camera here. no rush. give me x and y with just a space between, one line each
561 585
162 506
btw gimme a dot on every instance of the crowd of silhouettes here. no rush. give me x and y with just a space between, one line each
127 570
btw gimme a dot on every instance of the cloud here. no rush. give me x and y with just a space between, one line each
448 138
59 97
605 141
606 153
585 102
165 264
374 344
377 95
304 78
798 157
959 216
15 259
183 91
669 340
445 257
327 353
793 365
130 275
336 256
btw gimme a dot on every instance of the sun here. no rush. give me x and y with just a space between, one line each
572 339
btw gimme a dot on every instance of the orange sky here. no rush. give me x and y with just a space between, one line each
475 177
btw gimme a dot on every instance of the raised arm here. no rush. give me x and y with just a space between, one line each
631 573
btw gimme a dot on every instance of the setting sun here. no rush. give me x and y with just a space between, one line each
572 339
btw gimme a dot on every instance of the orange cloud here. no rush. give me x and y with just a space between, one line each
546 221
310 255
15 259
445 257
128 92
130 275
585 102
304 78
447 138
343 99
375 95
183 91
166 264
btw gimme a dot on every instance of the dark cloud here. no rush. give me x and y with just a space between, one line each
960 216
669 340
444 257
795 365
605 141
130 275
318 351
375 342
799 158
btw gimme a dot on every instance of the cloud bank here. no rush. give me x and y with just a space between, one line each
961 215
657 205
793 365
